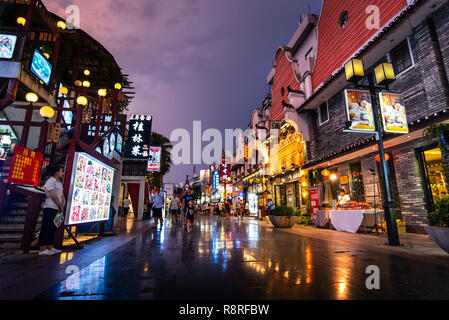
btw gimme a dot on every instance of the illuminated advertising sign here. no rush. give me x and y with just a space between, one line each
215 179
394 117
90 191
359 110
154 159
119 143
7 45
41 67
25 167
137 145
225 173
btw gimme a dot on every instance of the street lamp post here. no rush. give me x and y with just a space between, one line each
355 72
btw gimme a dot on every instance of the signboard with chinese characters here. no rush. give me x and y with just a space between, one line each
137 145
314 201
359 110
25 167
215 180
90 191
154 159
225 173
394 118
88 130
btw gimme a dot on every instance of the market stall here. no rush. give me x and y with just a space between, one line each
348 218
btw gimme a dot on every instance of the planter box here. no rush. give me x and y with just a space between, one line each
440 235
283 222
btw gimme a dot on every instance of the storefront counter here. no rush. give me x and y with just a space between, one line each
346 220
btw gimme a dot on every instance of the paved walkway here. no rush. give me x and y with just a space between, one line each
230 260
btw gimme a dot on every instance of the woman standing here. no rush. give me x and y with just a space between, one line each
54 203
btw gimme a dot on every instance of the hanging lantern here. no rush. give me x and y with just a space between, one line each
78 83
86 72
21 20
63 90
81 100
102 92
326 173
61 25
47 112
118 86
377 157
86 84
31 97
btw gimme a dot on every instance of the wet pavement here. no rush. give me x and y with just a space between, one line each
230 260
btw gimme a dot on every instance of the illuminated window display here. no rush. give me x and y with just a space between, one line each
435 174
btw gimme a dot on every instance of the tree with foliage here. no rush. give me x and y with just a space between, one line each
156 178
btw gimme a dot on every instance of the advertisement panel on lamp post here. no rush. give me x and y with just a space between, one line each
392 108
154 159
359 110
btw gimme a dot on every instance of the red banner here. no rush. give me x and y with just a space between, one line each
314 202
25 167
225 173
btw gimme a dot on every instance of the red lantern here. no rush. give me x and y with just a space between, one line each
387 157
325 173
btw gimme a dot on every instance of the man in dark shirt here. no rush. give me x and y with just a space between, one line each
185 201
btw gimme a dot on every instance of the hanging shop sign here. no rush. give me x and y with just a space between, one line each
40 67
154 159
137 145
225 173
7 45
25 167
314 201
90 191
394 117
88 129
215 179
359 110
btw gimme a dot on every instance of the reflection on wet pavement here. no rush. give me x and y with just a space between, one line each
230 260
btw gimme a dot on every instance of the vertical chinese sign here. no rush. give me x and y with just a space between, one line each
25 167
138 144
314 202
225 173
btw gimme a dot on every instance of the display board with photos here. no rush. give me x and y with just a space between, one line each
359 110
7 45
90 192
394 117
41 67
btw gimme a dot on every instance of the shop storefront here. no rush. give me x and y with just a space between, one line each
254 192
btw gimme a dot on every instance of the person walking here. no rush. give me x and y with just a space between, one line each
270 207
54 203
219 210
190 214
185 202
157 207
126 203
174 209
228 209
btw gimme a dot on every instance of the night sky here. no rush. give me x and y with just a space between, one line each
192 59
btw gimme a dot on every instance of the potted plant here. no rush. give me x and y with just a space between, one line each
438 228
283 217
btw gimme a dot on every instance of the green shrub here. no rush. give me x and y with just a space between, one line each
284 211
305 220
440 217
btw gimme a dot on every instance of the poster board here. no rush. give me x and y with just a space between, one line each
394 117
359 110
90 191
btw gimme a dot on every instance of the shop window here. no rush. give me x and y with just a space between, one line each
436 179
357 186
401 57
323 113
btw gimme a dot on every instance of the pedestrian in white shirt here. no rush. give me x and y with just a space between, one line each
54 203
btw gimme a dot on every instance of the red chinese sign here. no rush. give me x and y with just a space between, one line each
225 173
25 167
314 202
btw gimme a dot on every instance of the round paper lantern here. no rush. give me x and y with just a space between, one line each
387 157
47 112
63 90
81 100
31 97
326 173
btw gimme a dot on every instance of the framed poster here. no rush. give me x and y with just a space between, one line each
359 110
90 191
394 117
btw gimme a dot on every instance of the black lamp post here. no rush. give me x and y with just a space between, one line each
384 74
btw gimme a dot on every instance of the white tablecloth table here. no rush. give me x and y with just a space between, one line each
322 218
346 220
